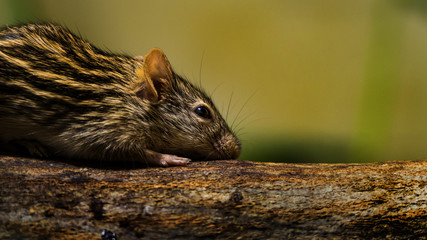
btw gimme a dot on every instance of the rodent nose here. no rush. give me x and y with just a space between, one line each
235 153
229 146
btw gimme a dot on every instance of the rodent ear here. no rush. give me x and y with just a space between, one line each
156 75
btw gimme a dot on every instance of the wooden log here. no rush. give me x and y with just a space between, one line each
213 200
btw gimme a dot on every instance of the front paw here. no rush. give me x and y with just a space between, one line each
167 160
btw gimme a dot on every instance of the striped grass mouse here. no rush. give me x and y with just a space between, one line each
61 96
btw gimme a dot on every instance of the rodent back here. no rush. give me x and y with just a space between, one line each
58 83
54 71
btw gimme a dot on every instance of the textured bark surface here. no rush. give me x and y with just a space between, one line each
213 200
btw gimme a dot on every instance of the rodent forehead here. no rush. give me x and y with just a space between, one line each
190 97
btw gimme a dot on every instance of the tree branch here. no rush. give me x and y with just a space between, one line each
213 200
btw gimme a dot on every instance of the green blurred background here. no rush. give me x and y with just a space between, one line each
308 81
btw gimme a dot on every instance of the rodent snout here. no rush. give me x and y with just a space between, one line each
229 147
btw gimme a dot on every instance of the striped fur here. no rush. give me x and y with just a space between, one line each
77 101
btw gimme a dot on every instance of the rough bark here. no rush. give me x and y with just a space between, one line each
213 200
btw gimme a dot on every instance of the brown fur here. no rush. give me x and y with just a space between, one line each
70 99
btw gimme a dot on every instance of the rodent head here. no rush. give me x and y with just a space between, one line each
185 121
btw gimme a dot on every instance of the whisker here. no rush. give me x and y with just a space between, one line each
244 119
222 107
242 134
252 121
200 70
213 92
241 109
229 104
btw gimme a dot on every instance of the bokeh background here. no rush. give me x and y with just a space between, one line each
301 80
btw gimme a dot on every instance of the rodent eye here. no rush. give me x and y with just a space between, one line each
203 112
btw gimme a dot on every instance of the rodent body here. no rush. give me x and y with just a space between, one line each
61 96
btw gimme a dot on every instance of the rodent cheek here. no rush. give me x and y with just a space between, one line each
205 123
